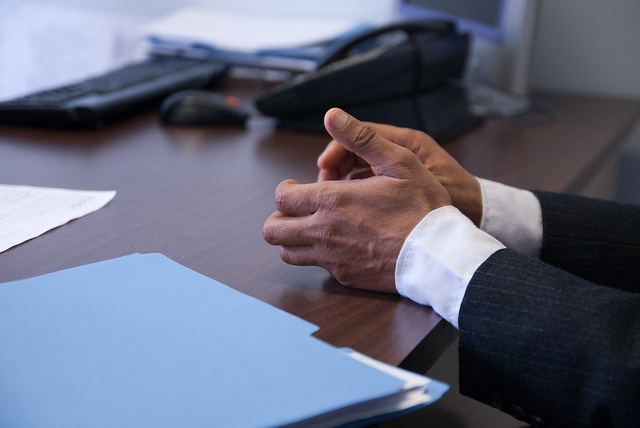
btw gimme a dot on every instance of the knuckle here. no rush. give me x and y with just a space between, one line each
280 198
336 199
406 162
406 159
269 233
332 199
320 233
325 236
364 135
284 194
286 256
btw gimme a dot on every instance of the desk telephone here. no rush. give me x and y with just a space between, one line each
399 74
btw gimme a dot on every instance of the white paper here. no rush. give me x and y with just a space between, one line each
245 32
28 211
418 391
44 46
411 380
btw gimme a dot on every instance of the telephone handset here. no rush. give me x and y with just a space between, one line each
399 60
341 51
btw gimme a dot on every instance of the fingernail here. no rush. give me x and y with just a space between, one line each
338 119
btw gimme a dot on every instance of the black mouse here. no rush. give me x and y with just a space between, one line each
200 107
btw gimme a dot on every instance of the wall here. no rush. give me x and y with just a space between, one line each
593 47
588 46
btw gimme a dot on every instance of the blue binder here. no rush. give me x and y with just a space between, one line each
143 341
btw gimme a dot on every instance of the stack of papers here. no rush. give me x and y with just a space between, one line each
143 341
245 32
267 41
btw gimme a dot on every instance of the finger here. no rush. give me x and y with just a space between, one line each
359 174
335 155
424 147
290 201
328 174
336 162
406 137
299 255
281 229
385 157
295 199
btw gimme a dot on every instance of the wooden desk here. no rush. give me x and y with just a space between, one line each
201 195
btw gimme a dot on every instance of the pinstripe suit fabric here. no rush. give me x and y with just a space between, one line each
556 341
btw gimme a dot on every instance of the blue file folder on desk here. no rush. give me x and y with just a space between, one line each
143 341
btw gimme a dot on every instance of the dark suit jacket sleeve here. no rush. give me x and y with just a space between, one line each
556 341
594 239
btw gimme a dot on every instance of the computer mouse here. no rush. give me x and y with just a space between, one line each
201 107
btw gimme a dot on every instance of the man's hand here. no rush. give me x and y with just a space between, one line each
337 162
356 228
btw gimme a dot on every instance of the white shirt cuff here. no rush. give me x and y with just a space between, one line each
438 259
512 216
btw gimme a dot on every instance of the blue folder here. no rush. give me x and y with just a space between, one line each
145 342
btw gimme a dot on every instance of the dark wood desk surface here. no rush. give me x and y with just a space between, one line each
201 195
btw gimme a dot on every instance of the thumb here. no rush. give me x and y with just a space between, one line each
385 157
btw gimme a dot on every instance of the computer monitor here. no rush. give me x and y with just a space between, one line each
503 34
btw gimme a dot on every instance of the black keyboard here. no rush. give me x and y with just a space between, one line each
119 94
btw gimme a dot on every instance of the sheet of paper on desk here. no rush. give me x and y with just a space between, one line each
29 211
244 32
143 341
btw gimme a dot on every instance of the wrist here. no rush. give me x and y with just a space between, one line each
468 199
439 258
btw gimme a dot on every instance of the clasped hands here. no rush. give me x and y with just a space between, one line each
376 183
